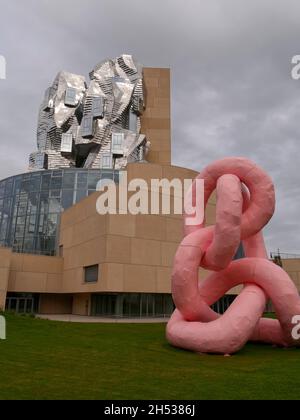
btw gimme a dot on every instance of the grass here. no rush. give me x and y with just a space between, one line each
51 360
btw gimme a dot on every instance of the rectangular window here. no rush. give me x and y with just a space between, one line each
35 182
117 143
70 97
98 107
117 139
93 179
66 143
106 161
54 205
40 160
87 126
140 305
56 183
31 224
82 180
91 273
69 180
67 199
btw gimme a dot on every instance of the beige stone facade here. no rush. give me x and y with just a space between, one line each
156 121
134 253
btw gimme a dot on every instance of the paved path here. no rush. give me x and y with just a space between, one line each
93 319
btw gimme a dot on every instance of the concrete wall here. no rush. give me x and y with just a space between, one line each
81 304
55 304
35 273
292 267
134 252
156 120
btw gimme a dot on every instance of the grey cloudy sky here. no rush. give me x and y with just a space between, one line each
232 91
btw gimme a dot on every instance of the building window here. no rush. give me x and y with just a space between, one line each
106 161
132 305
117 139
87 126
91 273
40 160
98 107
117 143
31 204
70 97
66 143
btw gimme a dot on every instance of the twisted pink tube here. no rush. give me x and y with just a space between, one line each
241 213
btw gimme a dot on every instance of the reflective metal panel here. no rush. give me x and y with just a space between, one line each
112 103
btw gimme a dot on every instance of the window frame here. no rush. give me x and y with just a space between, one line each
104 158
87 126
98 106
66 143
70 96
89 267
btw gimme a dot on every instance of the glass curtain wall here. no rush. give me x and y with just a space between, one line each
31 204
132 305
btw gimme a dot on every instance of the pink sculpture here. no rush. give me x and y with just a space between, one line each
245 204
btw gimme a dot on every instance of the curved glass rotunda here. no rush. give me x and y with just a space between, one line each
31 204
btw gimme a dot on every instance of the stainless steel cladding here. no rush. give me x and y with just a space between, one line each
93 126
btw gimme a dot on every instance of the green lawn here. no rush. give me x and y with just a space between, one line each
52 360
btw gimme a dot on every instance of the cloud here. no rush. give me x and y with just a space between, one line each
232 93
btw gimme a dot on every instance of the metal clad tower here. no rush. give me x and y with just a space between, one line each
96 126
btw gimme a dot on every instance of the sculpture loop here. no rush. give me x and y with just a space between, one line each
245 204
